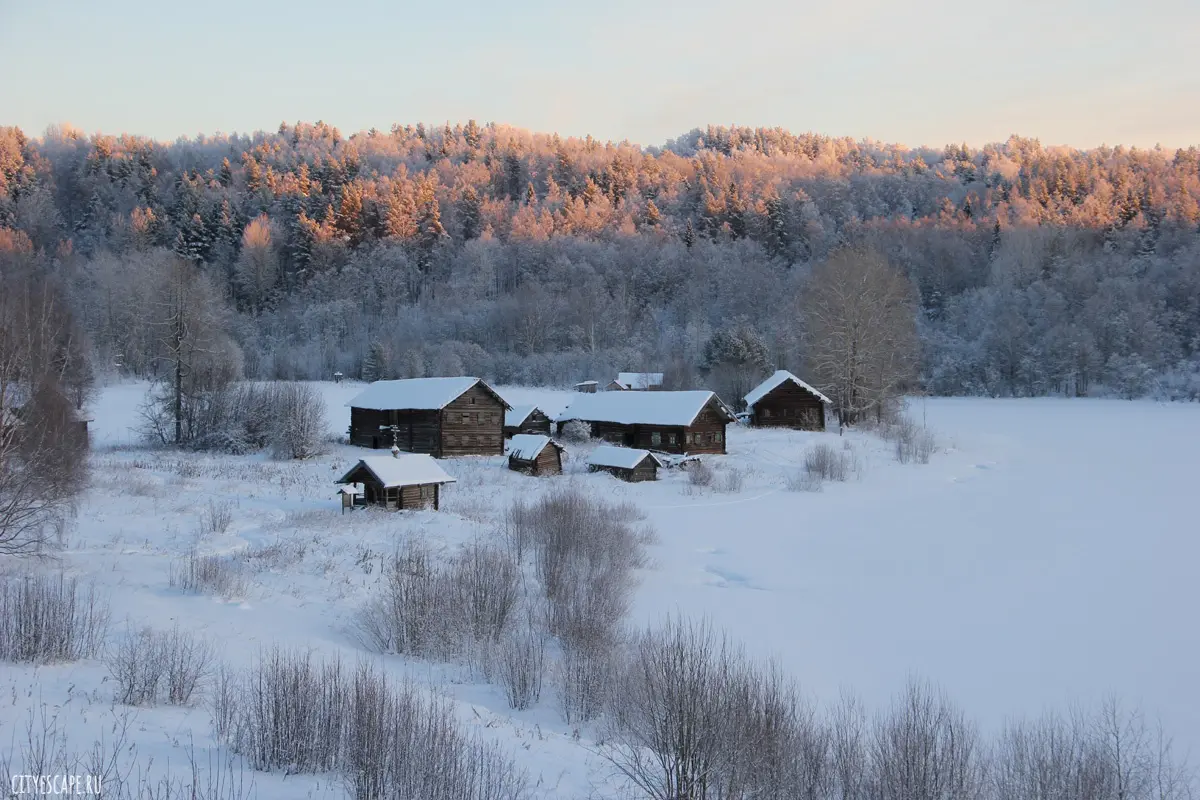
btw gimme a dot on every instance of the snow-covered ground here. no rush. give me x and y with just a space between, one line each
1046 556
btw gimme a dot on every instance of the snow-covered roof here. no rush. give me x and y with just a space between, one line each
588 383
527 446
640 380
414 394
350 488
775 381
405 469
517 415
639 408
620 457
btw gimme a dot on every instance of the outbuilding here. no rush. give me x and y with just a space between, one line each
399 481
627 463
785 401
674 422
587 387
441 417
526 419
535 454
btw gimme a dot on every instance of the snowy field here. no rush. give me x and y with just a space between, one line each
1046 556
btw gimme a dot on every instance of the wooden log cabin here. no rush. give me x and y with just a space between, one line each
441 417
673 422
535 454
587 387
399 481
627 463
526 419
785 401
638 382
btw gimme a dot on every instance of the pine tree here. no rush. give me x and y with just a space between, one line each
530 195
468 213
374 365
689 235
349 220
653 215
226 175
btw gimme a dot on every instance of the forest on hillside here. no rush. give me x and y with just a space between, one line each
524 257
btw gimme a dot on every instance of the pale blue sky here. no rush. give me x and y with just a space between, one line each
1078 72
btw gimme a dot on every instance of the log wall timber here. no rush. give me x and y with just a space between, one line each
473 424
789 406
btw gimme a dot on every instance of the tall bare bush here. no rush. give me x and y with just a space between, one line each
50 618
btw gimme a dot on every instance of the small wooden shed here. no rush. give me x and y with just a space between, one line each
525 419
626 463
587 387
399 481
638 381
785 401
535 454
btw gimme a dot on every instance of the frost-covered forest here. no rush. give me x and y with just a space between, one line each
529 258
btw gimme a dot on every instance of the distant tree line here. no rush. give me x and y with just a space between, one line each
527 257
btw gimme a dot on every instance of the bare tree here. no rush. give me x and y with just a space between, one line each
197 356
42 467
860 331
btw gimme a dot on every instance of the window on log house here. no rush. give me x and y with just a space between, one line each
656 438
472 401
766 413
670 438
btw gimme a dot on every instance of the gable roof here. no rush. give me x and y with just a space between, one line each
405 469
620 457
527 446
641 408
640 380
416 394
517 415
588 383
774 382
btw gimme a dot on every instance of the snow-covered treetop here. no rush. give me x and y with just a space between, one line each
640 408
404 469
640 380
415 394
775 381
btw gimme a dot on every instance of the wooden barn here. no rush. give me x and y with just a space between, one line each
399 481
587 387
636 382
628 464
526 419
441 417
535 454
673 422
785 401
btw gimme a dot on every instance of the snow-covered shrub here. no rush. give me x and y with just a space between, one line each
576 431
218 575
582 679
699 473
730 480
159 666
297 421
486 583
217 517
388 741
50 618
804 481
913 442
136 666
280 555
521 666
826 463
